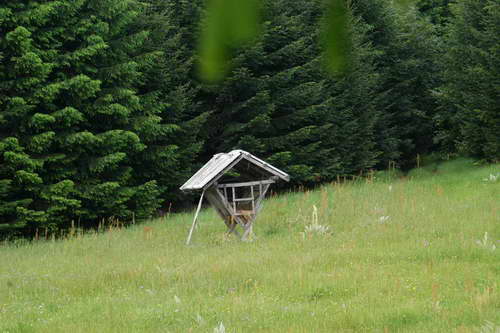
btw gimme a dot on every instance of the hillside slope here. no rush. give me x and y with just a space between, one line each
419 254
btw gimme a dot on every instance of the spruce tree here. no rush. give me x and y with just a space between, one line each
469 121
438 11
407 53
174 143
75 120
279 102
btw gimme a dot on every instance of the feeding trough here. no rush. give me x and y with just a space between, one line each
235 184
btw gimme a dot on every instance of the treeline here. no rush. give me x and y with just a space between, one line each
102 112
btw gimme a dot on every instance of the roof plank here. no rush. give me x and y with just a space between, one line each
219 164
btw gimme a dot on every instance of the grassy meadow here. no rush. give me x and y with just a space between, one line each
419 253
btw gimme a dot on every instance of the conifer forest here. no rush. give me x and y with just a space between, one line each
105 109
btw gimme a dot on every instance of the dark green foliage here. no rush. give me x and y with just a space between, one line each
438 11
470 117
406 61
280 104
228 24
77 120
173 143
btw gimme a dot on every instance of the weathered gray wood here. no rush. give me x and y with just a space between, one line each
226 204
222 210
250 218
231 228
231 217
262 193
266 166
258 182
223 171
219 206
219 164
195 218
211 171
248 230
243 199
229 208
261 199
253 199
234 200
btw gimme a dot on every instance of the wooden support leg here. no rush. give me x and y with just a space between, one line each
248 229
231 228
247 233
195 218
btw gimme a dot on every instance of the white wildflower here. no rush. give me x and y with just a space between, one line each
382 219
315 227
486 243
489 327
220 328
492 178
199 319
315 215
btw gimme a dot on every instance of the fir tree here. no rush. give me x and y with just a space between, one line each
74 121
469 121
173 144
406 61
438 11
280 104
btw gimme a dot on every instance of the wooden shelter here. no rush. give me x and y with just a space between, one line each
235 184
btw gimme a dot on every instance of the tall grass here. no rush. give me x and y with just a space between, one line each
406 254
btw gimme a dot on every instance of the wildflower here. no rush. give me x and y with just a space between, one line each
489 327
486 243
382 219
492 178
220 328
315 227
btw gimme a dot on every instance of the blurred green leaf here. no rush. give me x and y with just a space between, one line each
228 24
231 23
336 40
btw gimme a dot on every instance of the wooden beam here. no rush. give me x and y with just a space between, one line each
229 208
267 181
222 172
248 230
253 199
195 218
260 199
217 203
234 201
243 199
266 166
231 226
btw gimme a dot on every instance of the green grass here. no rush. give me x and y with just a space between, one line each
419 269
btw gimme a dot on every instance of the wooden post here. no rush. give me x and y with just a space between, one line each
253 200
234 200
195 217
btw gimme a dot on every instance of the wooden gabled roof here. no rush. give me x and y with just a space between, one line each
219 164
